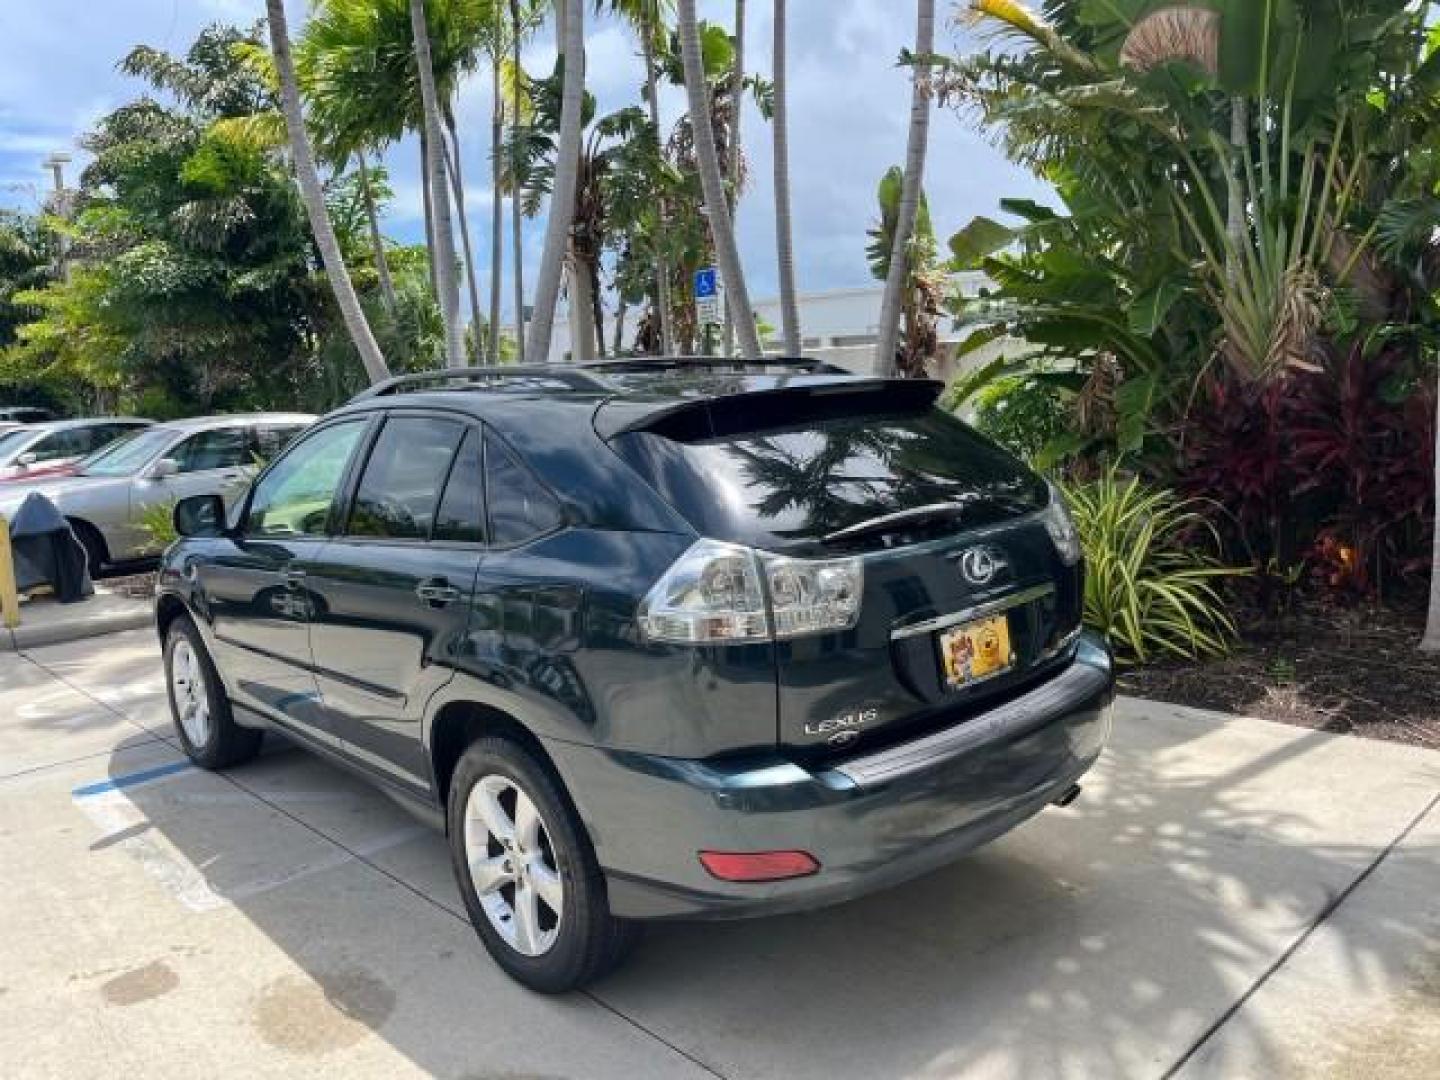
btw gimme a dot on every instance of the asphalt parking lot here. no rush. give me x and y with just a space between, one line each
1230 898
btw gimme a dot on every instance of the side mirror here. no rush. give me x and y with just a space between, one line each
27 459
200 515
163 468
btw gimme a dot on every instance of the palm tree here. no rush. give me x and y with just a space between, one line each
647 17
456 176
784 240
885 349
443 255
712 182
335 147
517 118
918 342
619 175
1431 641
1193 35
377 240
356 63
737 97
571 31
427 197
496 43
313 195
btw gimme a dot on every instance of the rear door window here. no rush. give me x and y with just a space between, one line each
794 487
222 448
400 488
267 442
520 507
461 517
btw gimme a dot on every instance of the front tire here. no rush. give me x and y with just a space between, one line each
527 871
199 705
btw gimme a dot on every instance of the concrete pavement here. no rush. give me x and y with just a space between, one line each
1230 898
46 621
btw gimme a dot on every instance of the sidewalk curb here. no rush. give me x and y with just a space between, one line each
131 615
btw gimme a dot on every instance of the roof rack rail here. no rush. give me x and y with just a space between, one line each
478 377
715 363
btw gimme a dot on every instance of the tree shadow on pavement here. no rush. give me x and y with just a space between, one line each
1100 940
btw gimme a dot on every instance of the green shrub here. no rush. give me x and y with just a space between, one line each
158 523
1151 577
1022 414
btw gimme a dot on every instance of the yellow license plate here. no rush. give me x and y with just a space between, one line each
976 651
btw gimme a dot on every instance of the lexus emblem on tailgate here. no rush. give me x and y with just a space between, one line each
979 565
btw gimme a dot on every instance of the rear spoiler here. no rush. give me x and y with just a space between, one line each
755 411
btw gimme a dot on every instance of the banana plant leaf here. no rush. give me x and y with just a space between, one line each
981 238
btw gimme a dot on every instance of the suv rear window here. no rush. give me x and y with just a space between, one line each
788 488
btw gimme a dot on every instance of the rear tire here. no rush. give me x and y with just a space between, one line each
199 705
517 846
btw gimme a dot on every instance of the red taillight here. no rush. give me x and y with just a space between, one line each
758 865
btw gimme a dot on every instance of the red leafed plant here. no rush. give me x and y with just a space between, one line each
1334 467
1361 436
1233 453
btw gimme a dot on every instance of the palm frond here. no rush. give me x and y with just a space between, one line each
1174 34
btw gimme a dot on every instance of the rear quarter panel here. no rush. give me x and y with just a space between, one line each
554 641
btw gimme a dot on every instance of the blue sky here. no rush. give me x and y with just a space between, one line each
848 104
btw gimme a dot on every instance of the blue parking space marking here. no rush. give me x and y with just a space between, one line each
131 779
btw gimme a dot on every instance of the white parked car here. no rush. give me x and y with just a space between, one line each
107 498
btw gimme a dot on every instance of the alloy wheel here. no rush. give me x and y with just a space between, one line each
513 865
189 692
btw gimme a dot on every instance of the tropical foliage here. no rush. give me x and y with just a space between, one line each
1023 413
922 284
193 277
194 281
1231 296
1234 292
1152 570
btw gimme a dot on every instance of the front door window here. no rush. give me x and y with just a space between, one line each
293 498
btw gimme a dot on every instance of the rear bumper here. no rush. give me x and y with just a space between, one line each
871 822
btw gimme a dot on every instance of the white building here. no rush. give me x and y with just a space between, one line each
839 326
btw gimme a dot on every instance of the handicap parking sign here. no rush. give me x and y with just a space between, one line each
707 297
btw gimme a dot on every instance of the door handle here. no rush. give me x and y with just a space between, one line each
437 592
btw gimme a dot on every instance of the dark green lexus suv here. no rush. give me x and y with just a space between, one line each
649 640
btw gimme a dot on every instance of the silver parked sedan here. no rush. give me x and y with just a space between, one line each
106 500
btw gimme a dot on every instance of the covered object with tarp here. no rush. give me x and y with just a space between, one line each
46 551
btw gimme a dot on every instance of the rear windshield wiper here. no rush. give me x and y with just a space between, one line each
925 515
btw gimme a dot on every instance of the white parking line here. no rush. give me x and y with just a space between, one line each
108 805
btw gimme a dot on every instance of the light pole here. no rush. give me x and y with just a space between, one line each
56 163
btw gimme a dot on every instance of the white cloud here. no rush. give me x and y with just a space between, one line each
849 109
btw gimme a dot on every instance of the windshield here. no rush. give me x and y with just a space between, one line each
10 441
127 456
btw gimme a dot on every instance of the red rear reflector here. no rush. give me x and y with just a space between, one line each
758 865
